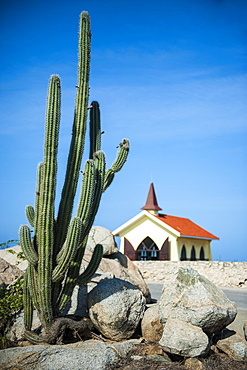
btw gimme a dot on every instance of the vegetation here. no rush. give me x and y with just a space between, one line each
55 252
11 301
8 244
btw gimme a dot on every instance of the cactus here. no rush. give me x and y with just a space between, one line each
55 252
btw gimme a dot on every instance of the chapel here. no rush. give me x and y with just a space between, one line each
152 235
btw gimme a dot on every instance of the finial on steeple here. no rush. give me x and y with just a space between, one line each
151 202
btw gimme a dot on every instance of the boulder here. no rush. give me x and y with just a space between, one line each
78 303
16 331
147 351
192 298
12 256
116 265
116 307
119 266
87 355
245 329
233 344
194 363
184 339
151 326
8 273
100 235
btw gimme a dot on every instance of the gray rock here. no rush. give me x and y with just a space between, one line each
100 235
8 273
86 355
192 298
245 329
123 348
116 308
233 345
78 303
16 331
163 360
194 364
119 266
116 265
151 326
125 269
184 339
11 255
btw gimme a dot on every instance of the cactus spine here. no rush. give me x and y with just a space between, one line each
56 250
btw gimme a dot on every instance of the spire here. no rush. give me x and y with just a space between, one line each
151 202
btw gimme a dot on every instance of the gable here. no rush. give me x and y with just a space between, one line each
146 225
139 219
172 225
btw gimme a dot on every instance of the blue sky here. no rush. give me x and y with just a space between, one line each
169 75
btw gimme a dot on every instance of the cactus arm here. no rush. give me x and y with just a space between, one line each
109 176
86 190
95 130
84 277
72 274
32 278
38 205
99 173
98 176
118 164
78 133
27 245
27 303
88 218
121 156
92 266
47 198
69 250
30 214
33 337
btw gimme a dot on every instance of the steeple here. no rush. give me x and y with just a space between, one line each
151 202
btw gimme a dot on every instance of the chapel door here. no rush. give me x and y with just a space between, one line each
147 250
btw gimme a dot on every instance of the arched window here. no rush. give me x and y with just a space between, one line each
147 250
193 254
183 254
202 256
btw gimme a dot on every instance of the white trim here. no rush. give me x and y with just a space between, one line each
196 237
161 223
140 215
121 228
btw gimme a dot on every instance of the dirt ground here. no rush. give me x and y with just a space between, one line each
213 362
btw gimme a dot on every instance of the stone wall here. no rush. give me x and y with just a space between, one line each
225 274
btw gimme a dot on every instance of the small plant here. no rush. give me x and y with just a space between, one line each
55 252
19 256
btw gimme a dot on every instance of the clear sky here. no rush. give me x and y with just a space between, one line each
170 75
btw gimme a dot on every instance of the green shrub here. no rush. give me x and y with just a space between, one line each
11 299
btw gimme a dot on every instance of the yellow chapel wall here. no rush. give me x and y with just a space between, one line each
197 243
145 227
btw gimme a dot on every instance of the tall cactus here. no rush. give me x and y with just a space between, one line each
55 252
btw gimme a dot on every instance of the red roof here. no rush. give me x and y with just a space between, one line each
186 227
